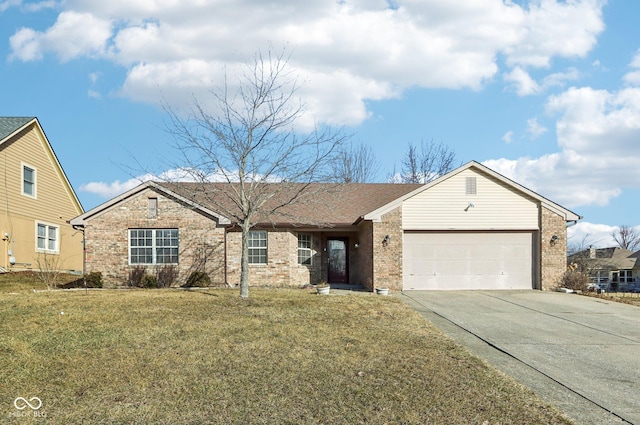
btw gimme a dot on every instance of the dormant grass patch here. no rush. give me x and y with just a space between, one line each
208 356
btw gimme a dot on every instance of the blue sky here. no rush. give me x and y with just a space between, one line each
546 92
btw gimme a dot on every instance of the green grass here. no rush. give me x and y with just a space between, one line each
282 357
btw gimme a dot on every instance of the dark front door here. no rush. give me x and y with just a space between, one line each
338 260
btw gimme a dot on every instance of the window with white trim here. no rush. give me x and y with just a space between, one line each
46 237
28 181
257 247
304 249
153 246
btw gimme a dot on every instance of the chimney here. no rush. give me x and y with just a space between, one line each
592 252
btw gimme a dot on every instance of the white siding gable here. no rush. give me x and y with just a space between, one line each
447 206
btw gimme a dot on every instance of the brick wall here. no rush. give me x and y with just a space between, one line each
553 260
282 268
201 241
387 257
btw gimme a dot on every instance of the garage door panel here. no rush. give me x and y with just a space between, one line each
472 260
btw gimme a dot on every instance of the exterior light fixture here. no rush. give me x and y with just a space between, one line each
554 239
386 240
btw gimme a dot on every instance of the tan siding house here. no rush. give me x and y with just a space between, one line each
469 229
36 202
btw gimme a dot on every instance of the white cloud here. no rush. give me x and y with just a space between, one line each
4 5
524 84
535 129
598 133
73 35
508 137
585 234
633 77
347 52
110 190
550 29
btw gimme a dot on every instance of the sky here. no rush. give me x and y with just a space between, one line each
545 92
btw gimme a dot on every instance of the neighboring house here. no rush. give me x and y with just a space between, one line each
470 229
36 202
616 268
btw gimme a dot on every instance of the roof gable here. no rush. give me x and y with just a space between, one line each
567 214
10 127
82 220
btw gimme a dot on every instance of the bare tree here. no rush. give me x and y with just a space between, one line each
251 139
627 237
427 162
356 164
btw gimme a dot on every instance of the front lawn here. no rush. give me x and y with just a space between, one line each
282 357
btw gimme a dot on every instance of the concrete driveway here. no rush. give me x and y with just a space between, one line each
578 353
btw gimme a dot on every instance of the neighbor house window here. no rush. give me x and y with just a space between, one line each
153 246
47 237
304 249
470 186
28 181
626 276
257 247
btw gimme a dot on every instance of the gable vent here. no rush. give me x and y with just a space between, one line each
470 186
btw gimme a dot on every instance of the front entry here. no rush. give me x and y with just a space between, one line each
338 260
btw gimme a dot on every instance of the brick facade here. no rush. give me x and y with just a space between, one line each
387 255
282 268
553 253
373 261
201 242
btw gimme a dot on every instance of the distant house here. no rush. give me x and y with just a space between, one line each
36 202
470 229
616 268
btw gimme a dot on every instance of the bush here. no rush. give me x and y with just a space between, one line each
575 280
197 279
149 281
135 276
94 280
167 275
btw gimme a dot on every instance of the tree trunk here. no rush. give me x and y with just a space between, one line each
244 262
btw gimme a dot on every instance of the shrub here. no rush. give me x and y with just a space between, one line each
575 280
149 281
167 275
94 280
197 279
135 276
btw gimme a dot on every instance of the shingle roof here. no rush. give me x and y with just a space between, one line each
10 124
613 257
325 204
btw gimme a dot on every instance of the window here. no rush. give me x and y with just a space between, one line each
47 238
625 276
470 186
304 249
28 181
153 246
257 247
153 208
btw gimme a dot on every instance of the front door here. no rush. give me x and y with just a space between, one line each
338 260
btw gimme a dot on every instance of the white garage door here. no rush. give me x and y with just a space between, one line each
474 260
